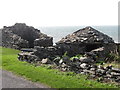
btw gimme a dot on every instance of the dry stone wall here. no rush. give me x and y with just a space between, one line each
22 36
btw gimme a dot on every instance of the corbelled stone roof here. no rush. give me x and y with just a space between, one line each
86 35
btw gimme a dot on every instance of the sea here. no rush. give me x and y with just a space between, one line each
58 32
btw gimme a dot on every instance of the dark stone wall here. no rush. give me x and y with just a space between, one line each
71 49
12 40
46 52
44 41
118 48
26 32
22 36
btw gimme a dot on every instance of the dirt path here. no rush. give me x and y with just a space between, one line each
9 80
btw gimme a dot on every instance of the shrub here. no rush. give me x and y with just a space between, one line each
113 57
77 57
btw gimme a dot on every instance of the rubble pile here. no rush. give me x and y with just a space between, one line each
83 65
103 74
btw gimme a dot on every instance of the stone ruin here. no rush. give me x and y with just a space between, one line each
90 43
87 41
38 47
22 36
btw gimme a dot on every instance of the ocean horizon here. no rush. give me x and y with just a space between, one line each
58 32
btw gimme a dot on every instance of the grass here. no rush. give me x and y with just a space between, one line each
50 77
114 64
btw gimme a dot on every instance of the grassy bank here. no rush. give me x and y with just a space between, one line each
45 75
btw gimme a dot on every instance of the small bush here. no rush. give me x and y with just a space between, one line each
77 57
100 63
113 57
65 54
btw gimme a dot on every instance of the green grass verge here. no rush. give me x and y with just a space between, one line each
50 77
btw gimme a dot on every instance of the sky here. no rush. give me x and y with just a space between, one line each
58 12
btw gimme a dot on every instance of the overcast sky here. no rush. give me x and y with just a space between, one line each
58 12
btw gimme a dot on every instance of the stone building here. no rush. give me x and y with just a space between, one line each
87 40
22 36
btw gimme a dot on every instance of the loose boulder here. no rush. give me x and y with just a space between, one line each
46 61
